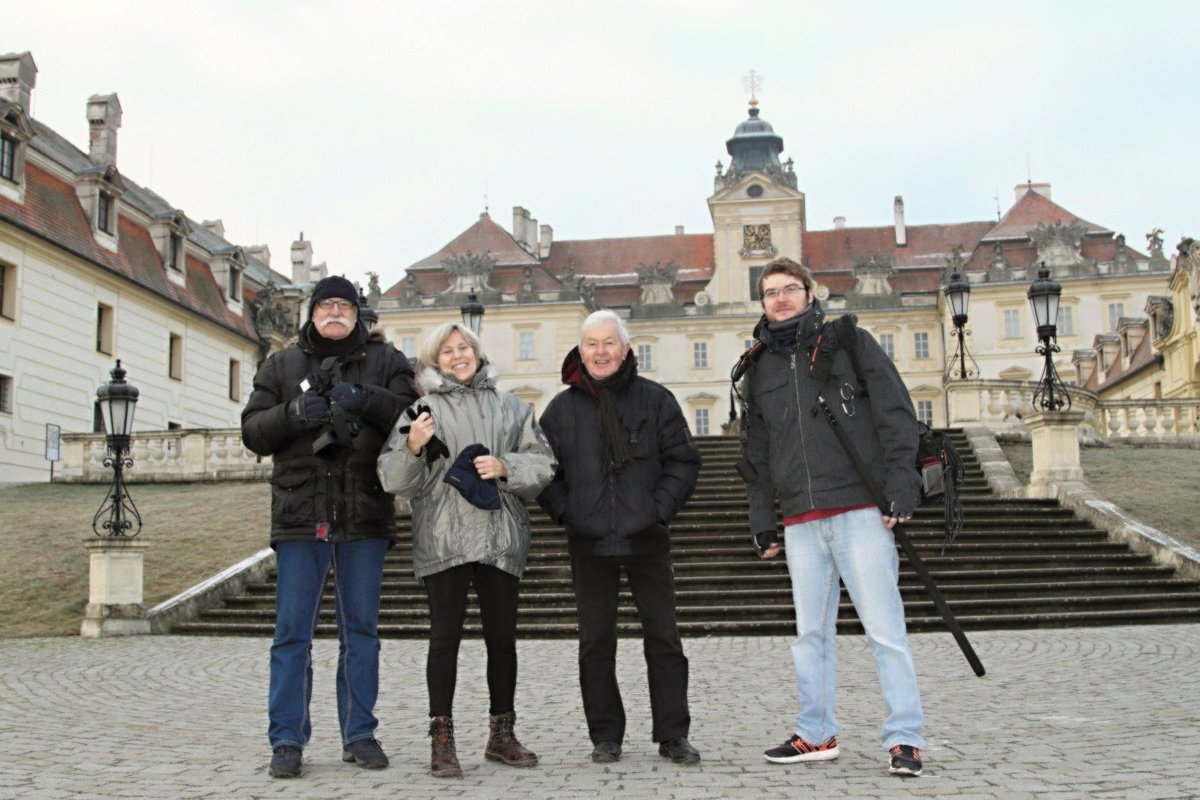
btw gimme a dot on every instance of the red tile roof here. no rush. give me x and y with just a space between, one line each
1028 211
484 236
52 211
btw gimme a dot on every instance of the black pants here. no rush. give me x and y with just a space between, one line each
652 582
497 594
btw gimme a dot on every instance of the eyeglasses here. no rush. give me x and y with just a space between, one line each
790 290
329 303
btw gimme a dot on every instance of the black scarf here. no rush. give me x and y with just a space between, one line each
614 447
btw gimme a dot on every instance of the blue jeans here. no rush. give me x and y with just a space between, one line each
302 567
856 546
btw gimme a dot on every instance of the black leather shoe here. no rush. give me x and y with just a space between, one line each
606 752
285 761
366 752
679 751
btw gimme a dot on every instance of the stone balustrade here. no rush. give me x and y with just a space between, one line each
1149 419
197 454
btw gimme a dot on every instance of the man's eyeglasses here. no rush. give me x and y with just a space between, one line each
330 303
790 290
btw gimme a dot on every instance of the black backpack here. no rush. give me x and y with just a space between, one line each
938 463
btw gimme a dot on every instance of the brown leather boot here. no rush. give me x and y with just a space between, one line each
444 761
503 745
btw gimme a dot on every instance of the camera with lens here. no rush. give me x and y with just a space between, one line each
338 428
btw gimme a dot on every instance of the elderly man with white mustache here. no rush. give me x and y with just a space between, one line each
322 408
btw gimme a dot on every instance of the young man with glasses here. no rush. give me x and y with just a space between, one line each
832 528
322 409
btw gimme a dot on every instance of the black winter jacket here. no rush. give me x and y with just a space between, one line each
340 489
627 513
789 449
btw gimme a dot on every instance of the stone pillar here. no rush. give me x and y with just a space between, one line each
115 605
1055 451
965 402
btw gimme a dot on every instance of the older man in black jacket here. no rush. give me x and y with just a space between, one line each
627 464
322 408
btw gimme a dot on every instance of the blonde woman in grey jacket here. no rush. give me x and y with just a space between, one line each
470 524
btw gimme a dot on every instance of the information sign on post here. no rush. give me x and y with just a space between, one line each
53 445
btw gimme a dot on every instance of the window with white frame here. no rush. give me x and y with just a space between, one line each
645 357
887 341
1012 323
701 420
235 283
755 273
1066 321
104 212
6 393
235 379
8 157
925 411
8 291
525 346
408 346
700 355
175 357
921 344
1115 312
748 343
175 252
104 329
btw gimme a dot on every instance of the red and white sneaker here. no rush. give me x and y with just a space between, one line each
796 749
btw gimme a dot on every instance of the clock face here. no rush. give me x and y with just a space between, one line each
754 190
756 237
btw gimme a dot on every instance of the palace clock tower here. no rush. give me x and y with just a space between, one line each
757 212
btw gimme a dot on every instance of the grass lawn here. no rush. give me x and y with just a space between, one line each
1155 485
194 531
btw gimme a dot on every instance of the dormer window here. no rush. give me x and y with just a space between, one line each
8 158
104 212
99 189
15 133
175 252
169 229
235 283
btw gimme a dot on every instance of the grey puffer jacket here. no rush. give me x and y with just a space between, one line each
448 530
790 451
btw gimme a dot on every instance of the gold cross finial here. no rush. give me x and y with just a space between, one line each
753 83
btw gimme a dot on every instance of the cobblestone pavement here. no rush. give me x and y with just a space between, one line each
1080 713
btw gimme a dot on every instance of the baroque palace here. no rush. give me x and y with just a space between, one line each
94 267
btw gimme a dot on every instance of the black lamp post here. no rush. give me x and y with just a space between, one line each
958 293
117 402
472 313
1051 393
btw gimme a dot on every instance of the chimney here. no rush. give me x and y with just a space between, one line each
261 253
301 260
531 234
679 230
1022 189
215 226
518 228
547 239
839 222
104 118
18 76
901 234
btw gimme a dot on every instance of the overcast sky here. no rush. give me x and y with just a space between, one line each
380 129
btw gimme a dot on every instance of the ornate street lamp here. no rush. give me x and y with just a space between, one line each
1051 393
472 313
117 402
958 293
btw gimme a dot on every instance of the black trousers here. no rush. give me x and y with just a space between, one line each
652 582
497 594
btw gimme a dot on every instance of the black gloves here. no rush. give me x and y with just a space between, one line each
435 448
764 539
306 410
899 510
349 396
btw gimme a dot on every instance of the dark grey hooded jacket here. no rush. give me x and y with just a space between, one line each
790 448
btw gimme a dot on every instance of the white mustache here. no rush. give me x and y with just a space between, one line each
323 324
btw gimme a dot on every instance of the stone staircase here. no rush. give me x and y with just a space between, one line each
1016 564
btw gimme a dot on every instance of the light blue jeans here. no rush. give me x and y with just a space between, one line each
856 546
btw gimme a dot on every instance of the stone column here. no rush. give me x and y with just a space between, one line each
115 606
1055 451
